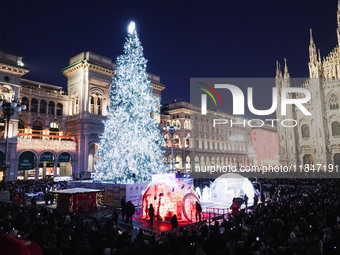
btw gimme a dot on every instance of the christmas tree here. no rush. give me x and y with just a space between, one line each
130 147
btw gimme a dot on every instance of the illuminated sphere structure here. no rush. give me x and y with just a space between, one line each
169 196
229 186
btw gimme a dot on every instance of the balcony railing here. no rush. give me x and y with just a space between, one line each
38 142
45 137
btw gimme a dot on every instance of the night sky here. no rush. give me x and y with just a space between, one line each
181 39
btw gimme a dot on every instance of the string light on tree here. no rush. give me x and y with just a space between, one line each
130 147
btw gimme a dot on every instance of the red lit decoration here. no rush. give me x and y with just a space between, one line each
169 196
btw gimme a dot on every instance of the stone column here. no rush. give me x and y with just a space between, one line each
37 171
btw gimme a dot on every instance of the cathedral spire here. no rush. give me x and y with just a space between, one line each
312 49
311 36
286 73
338 29
278 70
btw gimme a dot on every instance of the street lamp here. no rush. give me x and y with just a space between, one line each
8 109
172 130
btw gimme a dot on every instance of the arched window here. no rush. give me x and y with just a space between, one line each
34 105
99 106
24 101
37 129
187 141
73 106
178 162
59 109
333 102
335 128
51 107
21 126
77 105
305 131
92 104
43 105
54 128
176 141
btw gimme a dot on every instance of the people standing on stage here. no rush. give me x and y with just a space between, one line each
198 210
115 216
123 205
129 211
151 214
174 222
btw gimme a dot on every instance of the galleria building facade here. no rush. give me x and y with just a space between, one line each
58 132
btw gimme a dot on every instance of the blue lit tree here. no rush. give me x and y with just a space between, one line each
130 147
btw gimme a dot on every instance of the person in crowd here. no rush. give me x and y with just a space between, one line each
130 210
123 206
115 216
46 197
174 222
151 214
198 211
256 200
245 198
33 201
235 208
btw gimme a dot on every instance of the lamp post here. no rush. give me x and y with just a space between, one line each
8 109
172 130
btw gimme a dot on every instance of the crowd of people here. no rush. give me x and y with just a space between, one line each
300 218
18 189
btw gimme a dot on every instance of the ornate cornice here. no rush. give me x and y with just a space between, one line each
13 69
82 64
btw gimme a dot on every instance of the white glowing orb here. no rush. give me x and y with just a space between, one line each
228 186
131 27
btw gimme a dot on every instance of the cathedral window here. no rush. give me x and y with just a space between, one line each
333 102
335 128
305 131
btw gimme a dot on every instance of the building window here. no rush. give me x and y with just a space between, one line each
37 129
77 105
333 102
34 105
305 131
92 105
54 128
24 101
21 126
51 108
99 106
43 105
335 128
59 109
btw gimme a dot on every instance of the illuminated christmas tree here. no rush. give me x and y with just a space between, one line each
130 147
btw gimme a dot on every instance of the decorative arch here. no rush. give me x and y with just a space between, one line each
333 102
